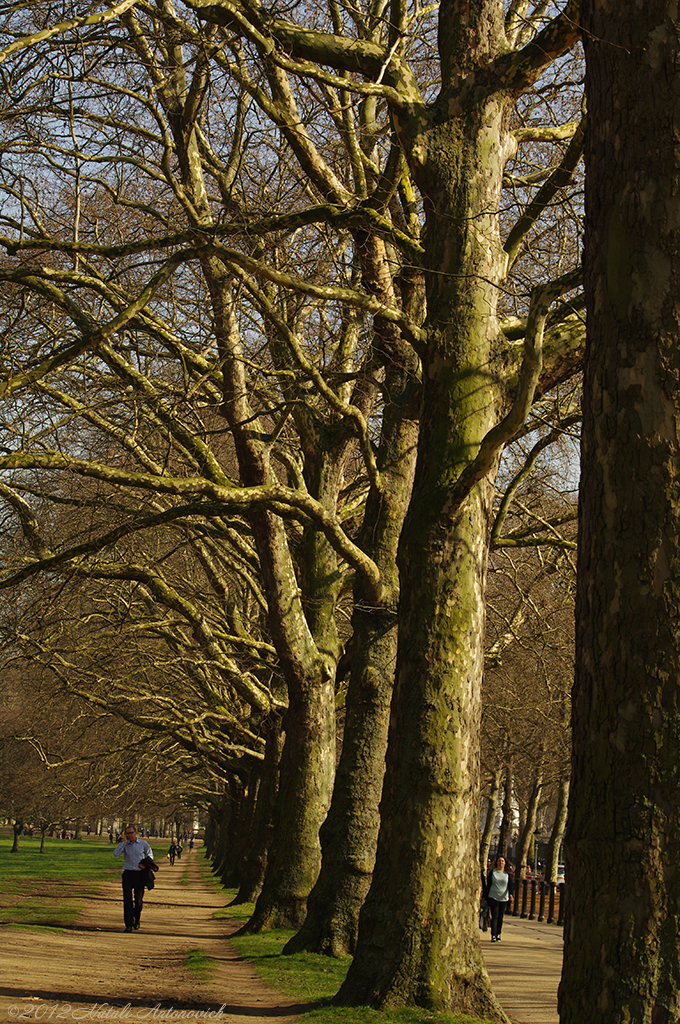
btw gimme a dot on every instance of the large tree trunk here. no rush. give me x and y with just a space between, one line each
418 937
427 852
350 833
622 940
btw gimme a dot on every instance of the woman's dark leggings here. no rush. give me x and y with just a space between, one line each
497 911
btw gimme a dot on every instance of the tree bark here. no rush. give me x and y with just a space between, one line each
507 819
418 941
622 940
527 833
492 806
350 833
300 809
254 862
558 829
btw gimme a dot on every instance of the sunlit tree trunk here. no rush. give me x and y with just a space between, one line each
622 938
427 871
559 826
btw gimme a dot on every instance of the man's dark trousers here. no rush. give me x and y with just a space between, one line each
133 897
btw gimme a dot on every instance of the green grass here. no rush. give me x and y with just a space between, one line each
315 979
43 888
199 963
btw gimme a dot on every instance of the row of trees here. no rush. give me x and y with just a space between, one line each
281 286
61 763
258 288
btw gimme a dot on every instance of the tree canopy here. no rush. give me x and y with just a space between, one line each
280 286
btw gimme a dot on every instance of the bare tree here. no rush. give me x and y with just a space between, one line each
267 228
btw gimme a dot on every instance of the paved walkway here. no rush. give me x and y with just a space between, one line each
525 970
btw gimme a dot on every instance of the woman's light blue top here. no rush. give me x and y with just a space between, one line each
500 886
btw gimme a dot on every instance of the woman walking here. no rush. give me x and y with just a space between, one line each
498 896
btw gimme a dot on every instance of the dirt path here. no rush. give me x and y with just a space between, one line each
95 971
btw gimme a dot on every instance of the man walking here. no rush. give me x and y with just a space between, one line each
135 850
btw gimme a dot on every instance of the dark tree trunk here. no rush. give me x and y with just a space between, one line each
226 834
254 861
350 833
300 809
492 806
527 832
622 940
17 826
507 819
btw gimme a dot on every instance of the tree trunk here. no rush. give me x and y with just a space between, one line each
622 940
241 836
508 813
308 765
418 941
559 826
254 862
492 806
226 833
17 826
527 833
350 833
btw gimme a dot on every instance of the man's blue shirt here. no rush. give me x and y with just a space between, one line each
134 852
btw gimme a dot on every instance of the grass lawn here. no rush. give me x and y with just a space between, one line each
42 888
313 978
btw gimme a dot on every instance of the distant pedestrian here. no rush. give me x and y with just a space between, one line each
172 852
134 875
191 845
498 894
179 850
